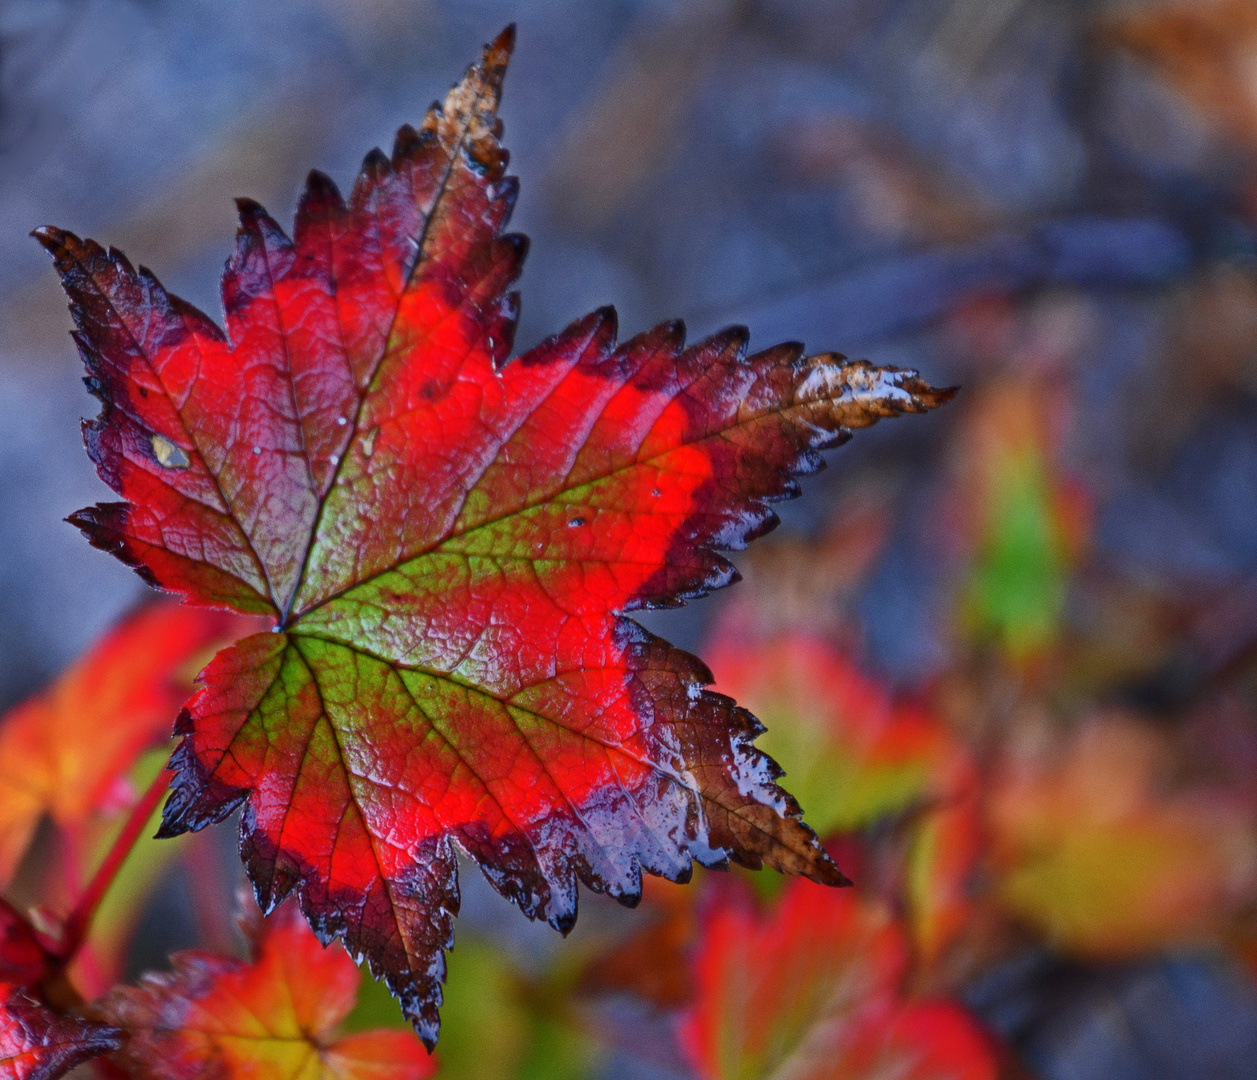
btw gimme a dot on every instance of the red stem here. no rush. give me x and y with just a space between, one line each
79 921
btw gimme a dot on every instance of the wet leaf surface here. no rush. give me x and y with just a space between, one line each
447 544
39 1044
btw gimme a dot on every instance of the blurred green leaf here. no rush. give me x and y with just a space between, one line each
495 1023
1016 591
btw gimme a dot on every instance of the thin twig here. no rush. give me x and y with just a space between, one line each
79 921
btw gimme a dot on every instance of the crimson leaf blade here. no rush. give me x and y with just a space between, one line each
448 544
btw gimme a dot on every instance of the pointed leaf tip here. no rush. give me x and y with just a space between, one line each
496 58
504 43
51 238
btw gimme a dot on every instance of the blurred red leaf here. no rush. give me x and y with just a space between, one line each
812 990
653 963
64 751
851 752
446 544
39 1044
24 960
271 1019
946 847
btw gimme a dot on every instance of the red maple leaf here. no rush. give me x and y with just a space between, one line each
271 1019
447 544
39 1044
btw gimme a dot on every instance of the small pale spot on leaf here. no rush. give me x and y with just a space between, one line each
169 455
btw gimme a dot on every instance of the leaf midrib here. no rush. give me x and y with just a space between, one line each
420 243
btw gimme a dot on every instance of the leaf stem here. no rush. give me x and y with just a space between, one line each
79 921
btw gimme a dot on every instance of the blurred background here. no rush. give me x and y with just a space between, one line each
1021 630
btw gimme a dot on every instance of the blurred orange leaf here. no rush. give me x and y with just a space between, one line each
1204 48
63 752
812 991
272 1019
1092 846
